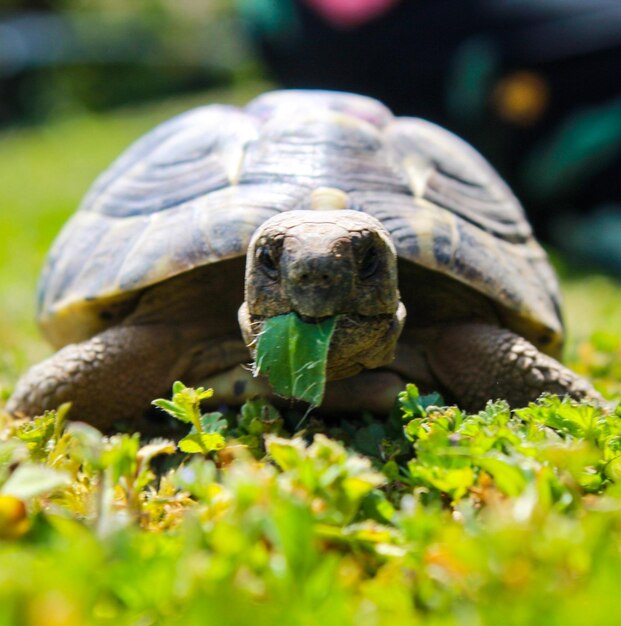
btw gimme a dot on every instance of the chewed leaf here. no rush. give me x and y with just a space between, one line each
293 355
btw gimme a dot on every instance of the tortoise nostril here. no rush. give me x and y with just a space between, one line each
315 271
320 279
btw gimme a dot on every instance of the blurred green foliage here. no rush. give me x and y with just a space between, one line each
498 517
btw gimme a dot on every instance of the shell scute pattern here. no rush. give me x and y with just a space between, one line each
322 149
67 257
193 191
516 276
198 154
459 179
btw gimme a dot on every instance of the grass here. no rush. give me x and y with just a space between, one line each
432 517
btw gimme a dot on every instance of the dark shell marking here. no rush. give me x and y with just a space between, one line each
192 192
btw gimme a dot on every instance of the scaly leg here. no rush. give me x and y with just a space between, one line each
109 378
477 362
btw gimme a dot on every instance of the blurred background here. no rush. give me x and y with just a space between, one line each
59 57
535 85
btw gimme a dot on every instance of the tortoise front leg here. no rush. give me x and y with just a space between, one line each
477 363
109 378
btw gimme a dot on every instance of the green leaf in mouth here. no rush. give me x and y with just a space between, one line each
293 355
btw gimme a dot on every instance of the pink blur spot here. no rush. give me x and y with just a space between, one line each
350 13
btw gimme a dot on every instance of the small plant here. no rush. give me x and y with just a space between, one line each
205 435
558 447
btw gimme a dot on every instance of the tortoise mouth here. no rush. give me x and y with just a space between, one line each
351 319
309 319
358 341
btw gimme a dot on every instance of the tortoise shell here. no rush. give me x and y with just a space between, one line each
192 191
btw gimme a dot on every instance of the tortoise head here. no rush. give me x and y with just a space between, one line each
320 264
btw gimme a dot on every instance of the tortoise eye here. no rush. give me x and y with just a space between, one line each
268 262
369 263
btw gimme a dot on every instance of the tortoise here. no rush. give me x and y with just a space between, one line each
322 203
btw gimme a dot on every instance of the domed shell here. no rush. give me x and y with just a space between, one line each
192 192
